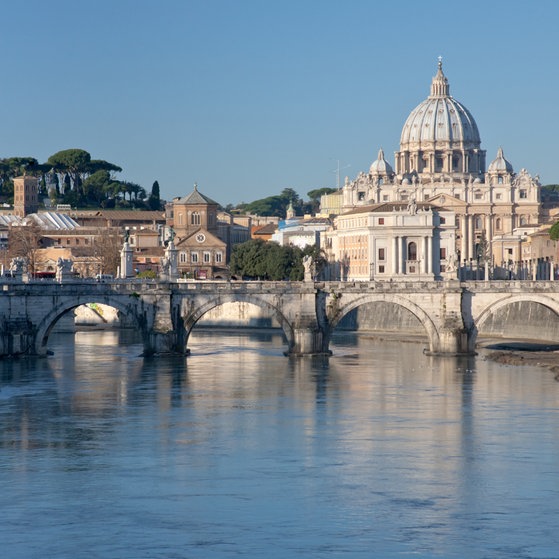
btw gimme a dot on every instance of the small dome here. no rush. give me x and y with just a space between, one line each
381 166
440 120
500 164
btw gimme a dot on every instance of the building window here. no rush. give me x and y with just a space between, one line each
443 253
523 194
182 257
381 220
207 257
194 257
498 224
381 255
478 196
498 196
412 251
478 223
195 218
381 269
180 219
218 257
522 220
499 179
385 197
361 196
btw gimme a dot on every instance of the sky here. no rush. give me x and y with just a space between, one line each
249 97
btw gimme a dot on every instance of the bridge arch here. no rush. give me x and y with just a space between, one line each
191 318
66 305
481 316
358 301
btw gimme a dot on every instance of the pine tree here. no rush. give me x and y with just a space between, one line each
154 201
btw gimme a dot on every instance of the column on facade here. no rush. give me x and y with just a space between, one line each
489 234
464 237
395 269
430 254
471 236
425 252
403 255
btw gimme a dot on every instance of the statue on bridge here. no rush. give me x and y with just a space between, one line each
308 264
64 269
18 265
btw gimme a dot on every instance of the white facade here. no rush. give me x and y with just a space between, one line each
395 241
440 161
301 232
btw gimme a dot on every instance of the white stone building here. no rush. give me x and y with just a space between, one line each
392 241
440 161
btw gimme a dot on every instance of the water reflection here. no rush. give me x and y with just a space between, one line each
238 450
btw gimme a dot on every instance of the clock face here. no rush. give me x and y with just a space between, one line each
200 237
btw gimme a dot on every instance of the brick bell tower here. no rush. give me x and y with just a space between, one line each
26 195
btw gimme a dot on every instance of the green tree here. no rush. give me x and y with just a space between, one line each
554 232
257 259
73 166
314 197
154 201
73 163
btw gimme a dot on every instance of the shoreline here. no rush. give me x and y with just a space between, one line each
515 352
524 352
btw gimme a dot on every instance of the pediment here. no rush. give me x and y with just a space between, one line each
199 239
446 201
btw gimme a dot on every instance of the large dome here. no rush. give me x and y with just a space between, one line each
440 122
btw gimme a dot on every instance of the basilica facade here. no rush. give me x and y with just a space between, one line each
441 164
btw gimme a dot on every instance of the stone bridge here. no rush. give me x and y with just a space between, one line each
165 313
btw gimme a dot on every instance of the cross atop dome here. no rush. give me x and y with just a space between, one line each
439 85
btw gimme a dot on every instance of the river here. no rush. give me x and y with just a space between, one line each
238 451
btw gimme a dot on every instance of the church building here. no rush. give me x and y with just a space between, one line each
441 163
195 224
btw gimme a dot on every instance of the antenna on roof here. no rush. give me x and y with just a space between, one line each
337 171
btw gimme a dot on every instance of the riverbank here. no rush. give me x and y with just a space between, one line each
531 353
508 352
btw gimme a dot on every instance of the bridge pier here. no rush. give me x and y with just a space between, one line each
16 338
452 341
309 340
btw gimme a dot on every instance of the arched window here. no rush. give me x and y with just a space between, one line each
478 223
195 218
498 224
182 257
412 251
522 220
499 179
180 218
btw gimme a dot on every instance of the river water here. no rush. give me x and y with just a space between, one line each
238 451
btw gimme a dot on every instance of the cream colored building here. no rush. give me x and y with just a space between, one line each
440 161
392 241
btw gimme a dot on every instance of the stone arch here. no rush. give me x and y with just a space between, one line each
419 313
46 325
192 318
493 306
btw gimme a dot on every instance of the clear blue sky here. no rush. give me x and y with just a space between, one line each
249 97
